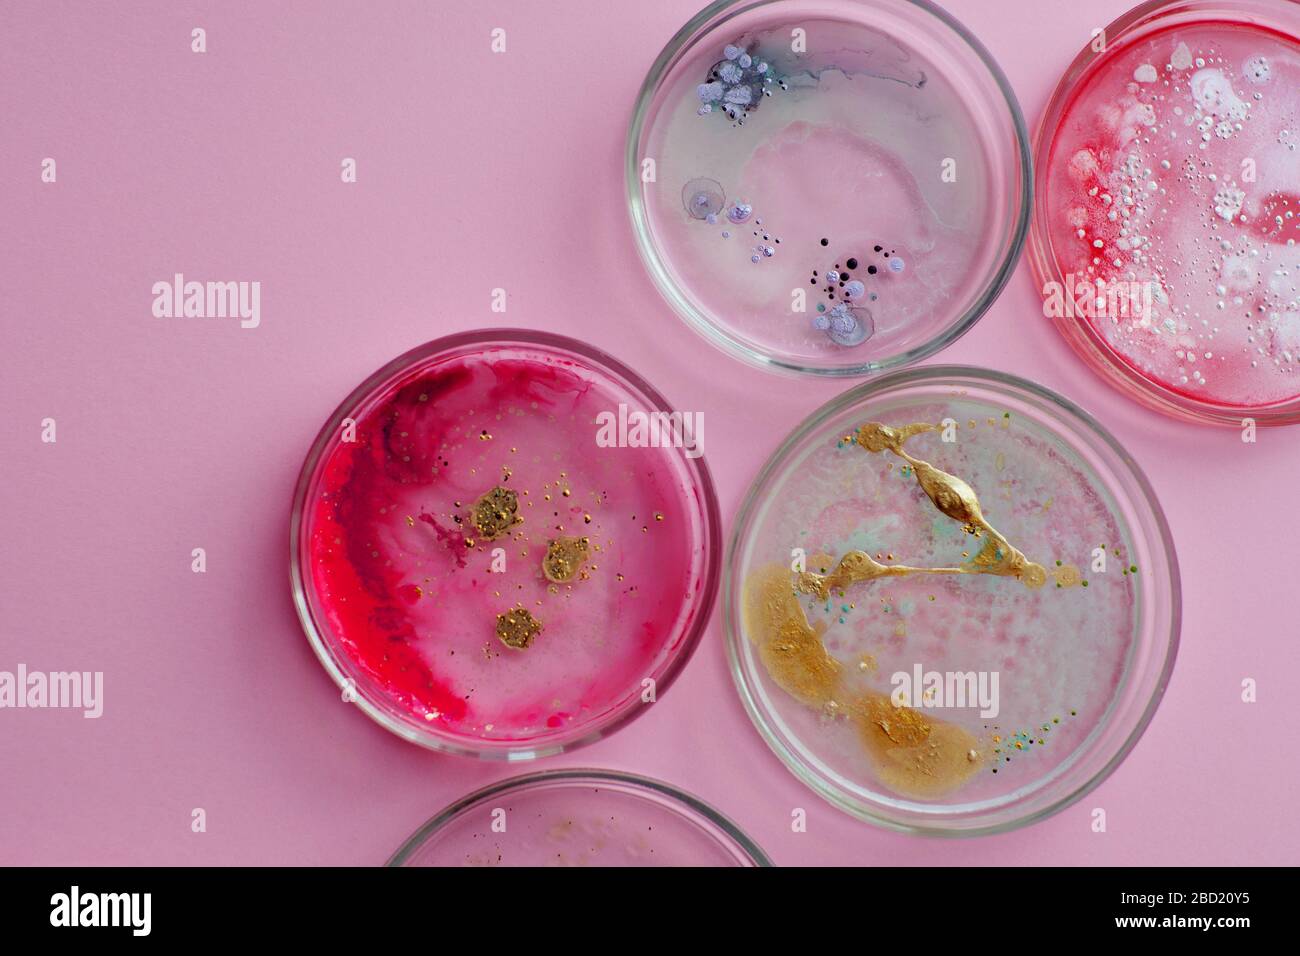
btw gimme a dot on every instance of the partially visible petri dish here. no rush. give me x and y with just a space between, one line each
500 540
579 818
831 187
1168 206
952 602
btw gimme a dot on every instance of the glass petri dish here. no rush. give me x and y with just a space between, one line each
485 563
832 187
1167 208
959 623
579 818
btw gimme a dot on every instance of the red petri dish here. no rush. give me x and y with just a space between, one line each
490 559
1168 206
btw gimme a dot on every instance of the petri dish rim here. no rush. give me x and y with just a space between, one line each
718 13
1099 355
712 821
316 631
984 824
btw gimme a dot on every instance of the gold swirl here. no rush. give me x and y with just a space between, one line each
954 498
915 755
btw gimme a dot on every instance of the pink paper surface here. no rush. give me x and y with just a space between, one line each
476 171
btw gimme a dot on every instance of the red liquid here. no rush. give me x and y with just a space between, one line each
1175 168
406 583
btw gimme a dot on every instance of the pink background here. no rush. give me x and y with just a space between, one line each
475 171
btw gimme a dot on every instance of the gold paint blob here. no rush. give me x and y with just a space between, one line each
1067 576
791 650
564 556
914 755
517 627
495 513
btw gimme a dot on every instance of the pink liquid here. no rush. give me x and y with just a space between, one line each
1176 167
406 583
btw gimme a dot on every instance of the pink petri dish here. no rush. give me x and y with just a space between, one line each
1168 206
599 818
490 558
828 187
1010 622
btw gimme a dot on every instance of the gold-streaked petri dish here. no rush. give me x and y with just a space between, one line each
580 818
952 602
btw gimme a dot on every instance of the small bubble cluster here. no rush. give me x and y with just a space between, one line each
845 317
705 200
736 85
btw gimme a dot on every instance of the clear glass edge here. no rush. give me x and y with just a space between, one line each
741 844
687 312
